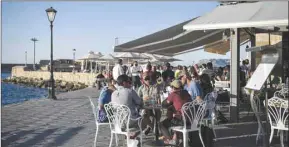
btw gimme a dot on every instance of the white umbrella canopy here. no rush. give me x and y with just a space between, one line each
91 56
169 59
152 58
130 55
161 58
107 58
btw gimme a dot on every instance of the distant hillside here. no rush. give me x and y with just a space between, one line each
216 62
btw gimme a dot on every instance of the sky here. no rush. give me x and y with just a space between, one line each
90 26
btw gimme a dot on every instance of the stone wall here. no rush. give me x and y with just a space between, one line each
86 78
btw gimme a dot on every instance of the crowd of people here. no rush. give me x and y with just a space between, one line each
133 86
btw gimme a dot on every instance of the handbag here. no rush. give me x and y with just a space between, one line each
102 116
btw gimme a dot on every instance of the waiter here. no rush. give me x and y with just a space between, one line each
136 72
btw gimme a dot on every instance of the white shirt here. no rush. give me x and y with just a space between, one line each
117 71
135 70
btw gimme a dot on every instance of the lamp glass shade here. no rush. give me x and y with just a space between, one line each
51 13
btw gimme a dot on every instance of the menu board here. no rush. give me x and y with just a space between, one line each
263 71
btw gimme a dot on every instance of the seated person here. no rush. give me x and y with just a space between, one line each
219 74
105 98
100 78
149 91
174 103
124 95
206 84
226 73
193 87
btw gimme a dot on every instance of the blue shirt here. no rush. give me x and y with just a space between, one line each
194 89
105 96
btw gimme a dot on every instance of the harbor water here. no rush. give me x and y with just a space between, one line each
13 93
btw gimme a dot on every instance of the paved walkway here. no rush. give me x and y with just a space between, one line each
69 122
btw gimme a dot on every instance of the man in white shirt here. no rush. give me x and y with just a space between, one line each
136 73
117 70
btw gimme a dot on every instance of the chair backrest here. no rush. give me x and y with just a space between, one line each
94 109
118 116
278 111
210 99
282 93
193 113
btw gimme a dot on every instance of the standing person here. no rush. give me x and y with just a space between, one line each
168 75
117 70
136 73
129 70
193 88
156 73
244 67
150 73
160 69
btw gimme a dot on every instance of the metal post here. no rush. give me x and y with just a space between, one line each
116 41
285 57
253 54
266 137
235 75
25 58
74 60
34 40
51 88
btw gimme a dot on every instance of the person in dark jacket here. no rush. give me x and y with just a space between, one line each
168 75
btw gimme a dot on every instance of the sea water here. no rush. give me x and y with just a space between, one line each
13 93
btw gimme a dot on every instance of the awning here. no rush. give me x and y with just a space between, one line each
170 41
244 15
223 46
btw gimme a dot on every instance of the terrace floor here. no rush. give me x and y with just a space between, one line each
69 122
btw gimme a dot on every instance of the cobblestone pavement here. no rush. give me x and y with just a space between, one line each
69 122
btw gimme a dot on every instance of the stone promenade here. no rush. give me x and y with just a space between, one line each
69 122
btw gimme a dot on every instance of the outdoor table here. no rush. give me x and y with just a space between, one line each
156 127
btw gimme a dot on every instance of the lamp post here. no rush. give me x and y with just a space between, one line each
25 58
51 13
34 40
74 50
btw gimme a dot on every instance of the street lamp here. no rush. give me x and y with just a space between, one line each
74 50
51 13
34 40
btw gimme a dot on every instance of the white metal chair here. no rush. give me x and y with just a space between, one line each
192 112
119 118
283 92
95 113
210 99
278 116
